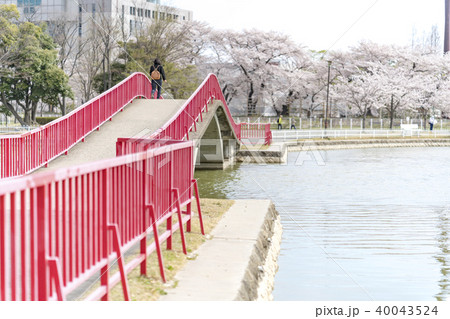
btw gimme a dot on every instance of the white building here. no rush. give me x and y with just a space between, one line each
133 13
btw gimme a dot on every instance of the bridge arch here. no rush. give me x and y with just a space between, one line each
215 141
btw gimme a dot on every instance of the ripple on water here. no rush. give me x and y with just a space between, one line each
369 224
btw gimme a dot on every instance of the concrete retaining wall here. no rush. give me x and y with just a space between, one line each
239 262
363 143
277 152
260 274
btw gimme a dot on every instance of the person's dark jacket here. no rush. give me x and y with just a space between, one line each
160 68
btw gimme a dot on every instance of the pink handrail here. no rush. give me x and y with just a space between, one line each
59 228
22 154
190 113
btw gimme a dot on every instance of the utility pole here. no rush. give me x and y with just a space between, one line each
447 27
328 95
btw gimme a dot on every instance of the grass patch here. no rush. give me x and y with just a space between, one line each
151 287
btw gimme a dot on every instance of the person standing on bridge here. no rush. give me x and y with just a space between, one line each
157 75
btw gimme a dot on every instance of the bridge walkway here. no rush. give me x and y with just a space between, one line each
139 118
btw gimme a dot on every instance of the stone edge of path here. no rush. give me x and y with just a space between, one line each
239 262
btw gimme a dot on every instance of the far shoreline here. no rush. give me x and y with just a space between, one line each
338 144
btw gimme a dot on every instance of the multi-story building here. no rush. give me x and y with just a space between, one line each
134 14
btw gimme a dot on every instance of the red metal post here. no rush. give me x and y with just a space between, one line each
42 240
23 245
2 250
197 199
145 193
123 276
153 220
55 276
176 198
104 209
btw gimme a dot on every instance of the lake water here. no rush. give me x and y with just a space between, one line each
369 224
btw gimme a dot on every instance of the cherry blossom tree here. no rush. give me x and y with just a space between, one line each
360 92
433 96
268 69
261 61
373 76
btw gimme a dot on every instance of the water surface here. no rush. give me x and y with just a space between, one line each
368 224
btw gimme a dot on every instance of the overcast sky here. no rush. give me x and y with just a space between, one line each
324 24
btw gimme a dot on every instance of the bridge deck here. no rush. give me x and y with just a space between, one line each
138 118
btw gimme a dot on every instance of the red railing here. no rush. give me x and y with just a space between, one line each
256 131
131 145
21 154
60 228
185 119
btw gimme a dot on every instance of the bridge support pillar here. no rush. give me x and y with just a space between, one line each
213 151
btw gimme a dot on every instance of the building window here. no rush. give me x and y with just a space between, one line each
153 14
93 8
133 11
162 15
131 26
28 3
184 18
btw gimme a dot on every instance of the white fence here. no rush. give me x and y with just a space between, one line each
344 123
16 129
289 135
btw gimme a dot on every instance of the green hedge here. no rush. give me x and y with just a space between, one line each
45 120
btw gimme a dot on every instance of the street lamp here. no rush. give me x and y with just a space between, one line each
328 96
447 27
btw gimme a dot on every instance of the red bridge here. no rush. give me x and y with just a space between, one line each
128 167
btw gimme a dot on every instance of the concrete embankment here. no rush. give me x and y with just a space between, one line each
239 262
366 143
277 151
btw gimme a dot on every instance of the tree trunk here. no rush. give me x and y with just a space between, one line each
105 84
250 102
63 105
12 110
391 112
27 117
33 111
108 68
424 113
289 101
364 119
